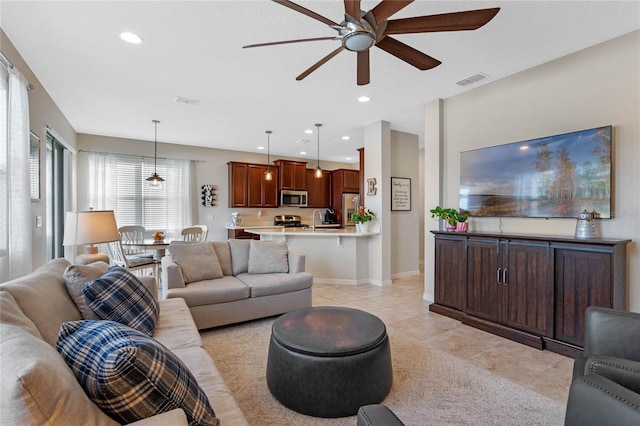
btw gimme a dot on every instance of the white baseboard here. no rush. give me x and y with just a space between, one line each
405 274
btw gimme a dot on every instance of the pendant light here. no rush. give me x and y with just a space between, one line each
154 180
318 173
268 174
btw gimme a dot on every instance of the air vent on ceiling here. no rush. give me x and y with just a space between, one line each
470 80
182 100
302 141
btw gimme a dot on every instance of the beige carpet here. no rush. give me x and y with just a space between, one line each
430 387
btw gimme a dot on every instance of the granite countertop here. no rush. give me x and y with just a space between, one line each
319 231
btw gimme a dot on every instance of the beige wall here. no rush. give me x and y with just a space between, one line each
405 225
594 87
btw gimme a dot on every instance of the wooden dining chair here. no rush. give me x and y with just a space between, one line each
196 233
132 263
131 235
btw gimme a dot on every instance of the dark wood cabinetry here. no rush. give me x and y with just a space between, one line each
238 184
318 189
346 180
530 289
292 174
262 193
240 234
248 188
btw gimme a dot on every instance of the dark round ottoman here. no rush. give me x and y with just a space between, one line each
329 361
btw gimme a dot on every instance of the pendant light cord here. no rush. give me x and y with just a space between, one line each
318 126
155 148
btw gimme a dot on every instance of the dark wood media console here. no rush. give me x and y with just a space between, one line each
530 289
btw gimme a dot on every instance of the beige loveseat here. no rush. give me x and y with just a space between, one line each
236 280
39 388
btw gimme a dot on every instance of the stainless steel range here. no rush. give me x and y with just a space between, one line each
288 221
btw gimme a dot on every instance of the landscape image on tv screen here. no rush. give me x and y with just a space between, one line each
555 176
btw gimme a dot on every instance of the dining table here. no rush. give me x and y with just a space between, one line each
159 246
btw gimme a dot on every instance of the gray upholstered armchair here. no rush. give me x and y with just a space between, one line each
606 378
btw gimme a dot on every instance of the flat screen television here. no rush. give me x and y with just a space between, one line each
549 177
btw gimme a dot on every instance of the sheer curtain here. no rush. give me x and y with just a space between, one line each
117 182
15 195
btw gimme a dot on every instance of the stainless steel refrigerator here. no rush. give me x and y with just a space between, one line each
350 202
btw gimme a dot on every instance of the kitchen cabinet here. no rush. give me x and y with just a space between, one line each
318 190
292 174
261 192
346 180
238 184
240 234
530 289
247 187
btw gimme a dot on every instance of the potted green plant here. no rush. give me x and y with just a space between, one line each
448 215
461 221
362 217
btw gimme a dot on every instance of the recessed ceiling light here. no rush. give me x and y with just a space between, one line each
349 158
364 99
131 37
345 138
261 147
524 147
303 152
308 131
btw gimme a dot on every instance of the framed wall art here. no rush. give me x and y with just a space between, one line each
400 193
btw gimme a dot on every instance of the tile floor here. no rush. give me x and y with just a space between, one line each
406 315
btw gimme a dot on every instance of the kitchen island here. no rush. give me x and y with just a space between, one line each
333 255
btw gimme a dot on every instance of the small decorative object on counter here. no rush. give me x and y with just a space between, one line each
585 227
361 218
158 236
236 219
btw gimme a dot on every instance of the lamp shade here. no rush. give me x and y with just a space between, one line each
90 227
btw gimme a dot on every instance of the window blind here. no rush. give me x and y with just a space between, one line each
118 183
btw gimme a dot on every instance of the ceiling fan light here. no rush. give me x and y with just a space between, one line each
358 41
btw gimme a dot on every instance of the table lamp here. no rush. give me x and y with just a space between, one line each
90 227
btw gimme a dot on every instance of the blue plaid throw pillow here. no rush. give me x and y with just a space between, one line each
129 375
119 296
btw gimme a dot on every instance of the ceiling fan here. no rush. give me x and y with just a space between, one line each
360 31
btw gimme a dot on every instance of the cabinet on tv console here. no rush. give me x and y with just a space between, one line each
530 289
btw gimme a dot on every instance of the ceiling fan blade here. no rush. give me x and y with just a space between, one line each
456 21
319 63
363 68
302 40
387 8
352 8
408 54
305 11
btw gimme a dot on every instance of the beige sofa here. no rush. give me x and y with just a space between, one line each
37 386
249 279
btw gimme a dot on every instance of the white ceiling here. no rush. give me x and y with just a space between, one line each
194 49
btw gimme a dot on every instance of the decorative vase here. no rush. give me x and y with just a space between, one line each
362 227
449 227
462 226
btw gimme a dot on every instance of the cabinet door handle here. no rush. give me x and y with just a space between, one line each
498 275
504 277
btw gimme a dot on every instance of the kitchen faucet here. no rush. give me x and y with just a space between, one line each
313 219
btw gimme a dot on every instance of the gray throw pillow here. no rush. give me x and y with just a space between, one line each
268 257
198 261
224 256
239 255
75 276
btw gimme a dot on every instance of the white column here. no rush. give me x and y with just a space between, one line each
433 152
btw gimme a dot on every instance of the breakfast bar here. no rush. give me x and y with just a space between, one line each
333 255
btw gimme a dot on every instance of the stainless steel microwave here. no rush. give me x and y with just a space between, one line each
293 198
